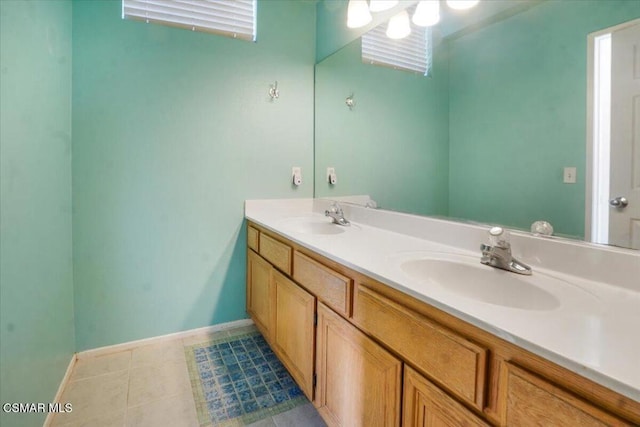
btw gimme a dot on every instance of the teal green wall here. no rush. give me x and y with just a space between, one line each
172 131
518 114
393 145
36 289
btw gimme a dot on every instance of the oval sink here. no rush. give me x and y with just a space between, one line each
482 283
312 225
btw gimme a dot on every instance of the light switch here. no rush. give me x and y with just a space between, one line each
569 175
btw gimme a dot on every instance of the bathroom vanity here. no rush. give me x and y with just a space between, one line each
361 318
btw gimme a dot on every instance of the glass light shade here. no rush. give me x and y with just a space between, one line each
380 5
461 4
399 26
427 13
358 14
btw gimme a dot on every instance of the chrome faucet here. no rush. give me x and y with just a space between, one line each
498 254
335 212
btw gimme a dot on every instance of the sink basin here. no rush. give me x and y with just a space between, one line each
319 225
482 283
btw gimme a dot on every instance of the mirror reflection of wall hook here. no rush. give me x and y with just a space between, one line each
274 93
350 102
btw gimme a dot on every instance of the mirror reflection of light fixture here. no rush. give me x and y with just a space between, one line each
358 14
427 13
461 4
399 26
380 5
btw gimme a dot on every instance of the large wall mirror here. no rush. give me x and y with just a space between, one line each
492 134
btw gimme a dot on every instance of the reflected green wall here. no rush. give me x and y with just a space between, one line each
173 130
393 145
517 104
36 283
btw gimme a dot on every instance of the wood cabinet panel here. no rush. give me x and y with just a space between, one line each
358 381
332 288
253 236
260 296
452 361
532 401
425 405
277 253
293 337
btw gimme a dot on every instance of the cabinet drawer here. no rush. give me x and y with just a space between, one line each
330 287
448 359
531 401
277 253
252 238
426 405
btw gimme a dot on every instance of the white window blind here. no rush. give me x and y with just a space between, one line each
412 53
232 18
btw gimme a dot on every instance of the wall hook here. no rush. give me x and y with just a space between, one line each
273 91
350 102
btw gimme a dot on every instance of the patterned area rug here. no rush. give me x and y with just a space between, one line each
237 380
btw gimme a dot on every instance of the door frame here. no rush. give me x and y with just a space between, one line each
591 134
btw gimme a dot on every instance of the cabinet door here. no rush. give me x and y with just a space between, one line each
358 381
260 293
531 401
425 405
294 338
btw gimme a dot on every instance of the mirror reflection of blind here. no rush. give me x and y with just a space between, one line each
412 53
232 18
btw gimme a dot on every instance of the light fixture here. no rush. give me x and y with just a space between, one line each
358 14
380 5
427 13
461 4
399 26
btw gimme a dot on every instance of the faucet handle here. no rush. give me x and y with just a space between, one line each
334 209
499 237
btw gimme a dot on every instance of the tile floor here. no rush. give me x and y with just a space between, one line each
149 386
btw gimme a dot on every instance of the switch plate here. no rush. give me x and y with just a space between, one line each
569 175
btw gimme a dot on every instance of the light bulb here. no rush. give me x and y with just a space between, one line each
380 5
358 14
399 26
461 4
427 13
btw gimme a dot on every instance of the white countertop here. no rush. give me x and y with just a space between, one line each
593 331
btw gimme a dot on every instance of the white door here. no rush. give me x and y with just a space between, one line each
624 218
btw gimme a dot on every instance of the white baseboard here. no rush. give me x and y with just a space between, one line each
100 351
61 387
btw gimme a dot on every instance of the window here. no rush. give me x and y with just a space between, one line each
412 53
232 18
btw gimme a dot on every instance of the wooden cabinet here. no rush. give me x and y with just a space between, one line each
294 332
253 238
330 287
260 293
276 252
425 405
367 333
454 362
358 381
532 401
